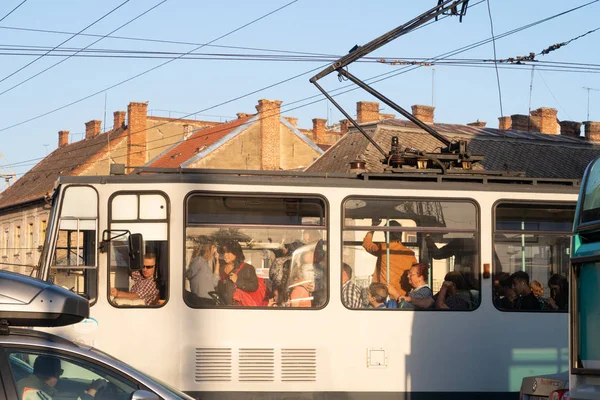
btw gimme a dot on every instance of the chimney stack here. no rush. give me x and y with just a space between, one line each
367 111
137 114
477 124
592 130
570 128
544 119
424 113
319 130
269 112
344 124
292 120
504 123
92 128
63 138
119 119
241 115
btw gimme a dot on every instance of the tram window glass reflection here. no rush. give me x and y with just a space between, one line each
74 260
145 213
248 251
427 247
531 244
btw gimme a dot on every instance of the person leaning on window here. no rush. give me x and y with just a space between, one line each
351 294
145 286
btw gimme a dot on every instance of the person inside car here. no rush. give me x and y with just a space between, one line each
41 384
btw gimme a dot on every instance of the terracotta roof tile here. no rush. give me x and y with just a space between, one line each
200 140
63 161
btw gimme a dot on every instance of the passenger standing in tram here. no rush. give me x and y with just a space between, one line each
401 257
454 293
559 292
525 300
239 284
279 273
203 272
378 294
303 283
351 294
464 251
420 296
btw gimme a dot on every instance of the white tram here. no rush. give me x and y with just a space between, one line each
321 348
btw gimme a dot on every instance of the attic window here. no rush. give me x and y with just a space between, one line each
174 156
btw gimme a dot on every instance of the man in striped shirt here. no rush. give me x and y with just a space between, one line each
351 294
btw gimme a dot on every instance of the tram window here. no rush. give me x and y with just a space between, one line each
531 245
428 248
246 251
590 210
147 214
74 260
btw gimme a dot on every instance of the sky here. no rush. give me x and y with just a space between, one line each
216 87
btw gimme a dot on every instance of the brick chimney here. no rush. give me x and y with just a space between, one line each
92 128
63 138
570 128
292 120
136 134
520 122
241 115
424 113
119 119
592 130
544 118
504 123
344 124
477 124
367 111
269 112
319 130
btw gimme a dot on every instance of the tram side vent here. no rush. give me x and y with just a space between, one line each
213 365
256 365
298 365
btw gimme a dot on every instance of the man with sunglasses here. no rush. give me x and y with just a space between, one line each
41 384
145 286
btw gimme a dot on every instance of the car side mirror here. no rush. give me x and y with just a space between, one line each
144 395
136 255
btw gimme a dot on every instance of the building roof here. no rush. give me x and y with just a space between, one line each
201 140
536 154
39 180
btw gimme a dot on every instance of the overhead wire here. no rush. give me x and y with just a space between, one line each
13 10
495 57
83 49
374 79
150 69
386 75
65 41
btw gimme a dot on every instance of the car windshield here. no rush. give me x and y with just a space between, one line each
170 388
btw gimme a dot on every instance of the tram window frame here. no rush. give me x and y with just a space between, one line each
537 234
91 288
362 201
139 220
323 228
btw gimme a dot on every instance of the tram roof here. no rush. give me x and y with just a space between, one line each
425 180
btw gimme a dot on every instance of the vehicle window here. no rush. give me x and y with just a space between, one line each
590 210
531 242
428 249
249 251
74 260
51 375
148 214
